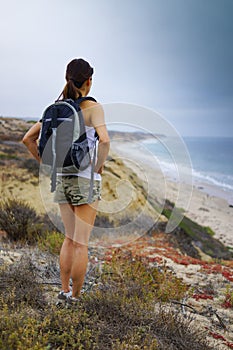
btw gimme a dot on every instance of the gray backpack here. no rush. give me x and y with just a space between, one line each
63 143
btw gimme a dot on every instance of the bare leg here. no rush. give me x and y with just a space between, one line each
79 267
84 220
66 259
66 254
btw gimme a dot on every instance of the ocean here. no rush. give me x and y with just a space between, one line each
211 162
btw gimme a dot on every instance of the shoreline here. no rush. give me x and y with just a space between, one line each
206 204
214 191
209 186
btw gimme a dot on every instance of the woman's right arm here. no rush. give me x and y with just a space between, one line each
30 140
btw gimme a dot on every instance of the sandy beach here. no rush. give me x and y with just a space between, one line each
205 204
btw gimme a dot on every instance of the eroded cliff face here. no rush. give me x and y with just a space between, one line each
125 194
125 212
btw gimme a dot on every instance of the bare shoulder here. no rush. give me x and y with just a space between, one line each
88 104
93 113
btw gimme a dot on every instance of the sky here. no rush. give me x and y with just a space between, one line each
172 56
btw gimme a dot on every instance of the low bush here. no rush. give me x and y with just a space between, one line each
20 288
31 165
161 284
20 221
122 311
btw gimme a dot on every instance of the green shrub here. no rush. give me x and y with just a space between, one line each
48 329
134 273
201 235
20 330
51 242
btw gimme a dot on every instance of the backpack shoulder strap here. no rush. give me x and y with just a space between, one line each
54 136
81 99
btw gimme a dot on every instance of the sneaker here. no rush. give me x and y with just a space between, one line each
72 300
60 304
64 295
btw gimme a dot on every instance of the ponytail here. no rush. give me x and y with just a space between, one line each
70 90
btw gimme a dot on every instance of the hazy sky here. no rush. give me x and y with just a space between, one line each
173 56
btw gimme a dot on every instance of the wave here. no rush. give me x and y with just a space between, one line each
217 179
225 182
206 158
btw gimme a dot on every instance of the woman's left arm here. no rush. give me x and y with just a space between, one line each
30 140
98 122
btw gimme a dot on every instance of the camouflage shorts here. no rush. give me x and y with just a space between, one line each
75 190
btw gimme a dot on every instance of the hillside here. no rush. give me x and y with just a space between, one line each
188 271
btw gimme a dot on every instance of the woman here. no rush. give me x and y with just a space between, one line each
77 214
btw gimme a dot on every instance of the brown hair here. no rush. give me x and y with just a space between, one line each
77 72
